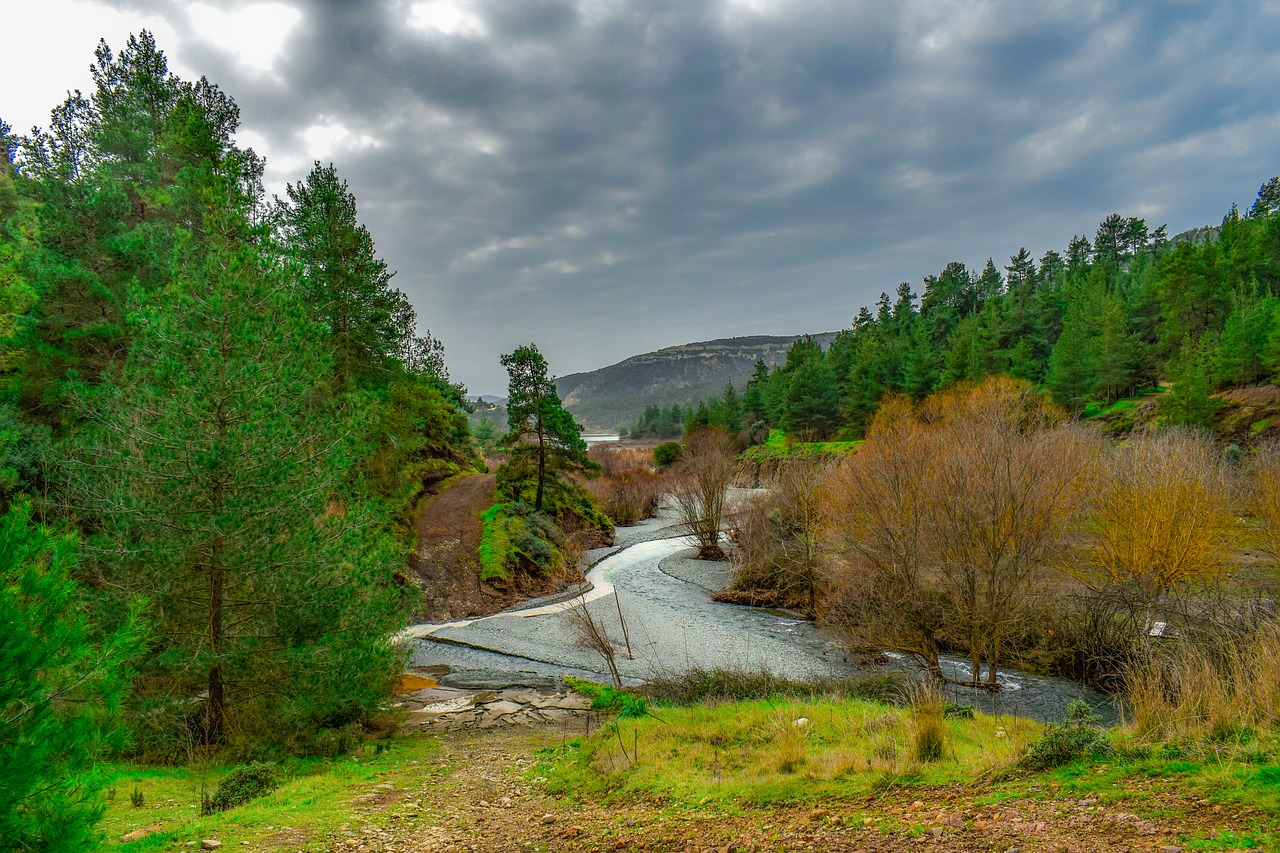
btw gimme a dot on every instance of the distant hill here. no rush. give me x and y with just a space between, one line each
614 397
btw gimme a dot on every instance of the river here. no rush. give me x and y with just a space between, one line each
651 585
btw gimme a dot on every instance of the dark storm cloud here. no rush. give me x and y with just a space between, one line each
609 177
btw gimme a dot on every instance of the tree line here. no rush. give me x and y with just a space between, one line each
1099 321
215 414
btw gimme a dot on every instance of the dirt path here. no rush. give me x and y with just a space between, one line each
490 800
447 562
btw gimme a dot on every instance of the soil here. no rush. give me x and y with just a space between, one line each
447 561
489 799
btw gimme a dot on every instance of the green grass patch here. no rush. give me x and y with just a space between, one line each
1259 427
781 446
314 798
776 751
514 533
1098 410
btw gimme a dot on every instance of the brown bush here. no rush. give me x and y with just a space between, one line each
628 488
777 552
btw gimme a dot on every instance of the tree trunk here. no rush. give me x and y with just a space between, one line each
542 466
215 717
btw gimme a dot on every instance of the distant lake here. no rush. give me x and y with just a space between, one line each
599 437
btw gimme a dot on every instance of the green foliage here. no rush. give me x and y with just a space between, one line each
665 454
543 441
1093 324
1077 736
1190 403
60 693
242 784
513 536
629 704
230 398
659 422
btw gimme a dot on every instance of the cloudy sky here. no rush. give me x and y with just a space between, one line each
607 177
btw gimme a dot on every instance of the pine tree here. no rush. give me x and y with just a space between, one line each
347 285
1191 401
59 695
1073 369
812 406
542 438
213 469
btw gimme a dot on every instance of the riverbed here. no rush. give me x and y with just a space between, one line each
653 600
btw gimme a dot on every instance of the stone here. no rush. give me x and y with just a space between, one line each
210 844
547 819
502 708
1169 848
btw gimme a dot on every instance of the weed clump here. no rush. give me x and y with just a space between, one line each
698 686
1075 737
928 725
627 703
244 783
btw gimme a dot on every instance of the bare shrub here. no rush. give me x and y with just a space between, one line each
591 633
776 538
699 479
628 489
1265 496
1163 518
882 594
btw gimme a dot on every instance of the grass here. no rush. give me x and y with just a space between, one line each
780 446
315 798
1094 410
777 752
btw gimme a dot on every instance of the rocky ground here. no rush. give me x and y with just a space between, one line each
488 799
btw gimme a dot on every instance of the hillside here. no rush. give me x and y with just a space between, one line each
615 396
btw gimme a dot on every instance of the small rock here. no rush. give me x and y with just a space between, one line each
800 723
1169 848
548 819
210 844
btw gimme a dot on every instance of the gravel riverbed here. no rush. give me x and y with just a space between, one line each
650 584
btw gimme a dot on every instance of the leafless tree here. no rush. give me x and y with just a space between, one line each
777 544
1009 486
699 479
592 634
882 594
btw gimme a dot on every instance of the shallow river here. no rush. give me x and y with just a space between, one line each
662 596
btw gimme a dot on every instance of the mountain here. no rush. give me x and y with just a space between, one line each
615 396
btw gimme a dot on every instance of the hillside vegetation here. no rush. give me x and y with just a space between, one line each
614 397
1098 323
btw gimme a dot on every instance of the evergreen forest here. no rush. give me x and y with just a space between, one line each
1128 310
215 414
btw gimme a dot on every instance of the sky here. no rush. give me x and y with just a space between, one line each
608 177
